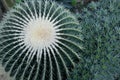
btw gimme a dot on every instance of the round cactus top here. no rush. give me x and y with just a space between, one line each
40 37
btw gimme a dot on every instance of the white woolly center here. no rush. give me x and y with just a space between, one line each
40 33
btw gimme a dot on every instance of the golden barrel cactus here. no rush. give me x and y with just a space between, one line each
40 40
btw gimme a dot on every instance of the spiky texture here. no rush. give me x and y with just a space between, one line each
100 23
40 40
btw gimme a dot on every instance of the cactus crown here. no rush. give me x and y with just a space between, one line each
40 40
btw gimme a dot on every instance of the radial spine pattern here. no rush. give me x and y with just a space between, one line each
40 40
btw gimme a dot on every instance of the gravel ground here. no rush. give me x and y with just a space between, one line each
3 74
2 77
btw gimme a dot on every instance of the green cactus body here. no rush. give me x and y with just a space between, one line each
40 40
